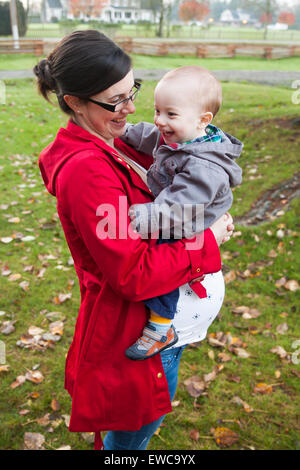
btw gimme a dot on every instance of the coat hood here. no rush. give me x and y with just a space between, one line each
222 153
58 152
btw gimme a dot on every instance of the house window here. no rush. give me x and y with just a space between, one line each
118 14
127 14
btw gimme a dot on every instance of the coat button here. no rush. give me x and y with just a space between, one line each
159 375
198 270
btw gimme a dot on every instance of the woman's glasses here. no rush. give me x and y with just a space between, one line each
113 108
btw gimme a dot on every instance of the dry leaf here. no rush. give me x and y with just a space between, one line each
263 388
211 355
280 282
4 368
272 254
194 434
56 328
7 327
67 447
34 376
229 277
33 440
55 405
44 420
175 403
14 277
224 437
280 351
19 381
195 386
224 357
292 285
61 298
35 330
240 352
282 328
241 402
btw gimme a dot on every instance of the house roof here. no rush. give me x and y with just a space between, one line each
54 4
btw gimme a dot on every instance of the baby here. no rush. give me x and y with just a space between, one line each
193 166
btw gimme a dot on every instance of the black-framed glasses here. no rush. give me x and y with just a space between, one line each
112 107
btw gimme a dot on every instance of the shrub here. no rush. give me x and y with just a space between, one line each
5 26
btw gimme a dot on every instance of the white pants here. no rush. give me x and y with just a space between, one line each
194 315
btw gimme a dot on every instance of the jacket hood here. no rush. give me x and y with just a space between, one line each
222 153
58 152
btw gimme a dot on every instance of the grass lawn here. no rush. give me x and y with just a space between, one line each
35 269
27 61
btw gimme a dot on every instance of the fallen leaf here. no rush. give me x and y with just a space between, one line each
35 330
19 381
56 328
280 282
14 220
229 277
240 352
234 378
24 412
194 434
224 437
242 403
282 328
34 376
263 388
195 386
55 405
61 298
14 277
67 447
33 440
44 420
224 357
7 327
280 351
175 403
292 285
4 368
272 254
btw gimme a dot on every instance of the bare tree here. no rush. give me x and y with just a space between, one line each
264 8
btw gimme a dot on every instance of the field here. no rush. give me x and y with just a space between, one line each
182 32
249 363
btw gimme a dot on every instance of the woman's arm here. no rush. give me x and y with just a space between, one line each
136 269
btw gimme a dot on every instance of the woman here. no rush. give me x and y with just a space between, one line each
87 169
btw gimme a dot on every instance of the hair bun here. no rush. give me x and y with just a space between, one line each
43 73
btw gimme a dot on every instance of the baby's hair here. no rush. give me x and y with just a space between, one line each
208 89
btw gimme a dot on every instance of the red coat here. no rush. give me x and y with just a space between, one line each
110 391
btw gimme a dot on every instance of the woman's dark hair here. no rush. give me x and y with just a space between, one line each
82 64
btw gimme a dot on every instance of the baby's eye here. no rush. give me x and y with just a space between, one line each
171 114
156 111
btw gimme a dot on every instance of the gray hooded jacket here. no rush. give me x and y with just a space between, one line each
197 176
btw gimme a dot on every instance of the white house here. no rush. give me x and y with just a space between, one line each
125 11
236 17
51 9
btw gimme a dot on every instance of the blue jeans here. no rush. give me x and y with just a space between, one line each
164 305
139 440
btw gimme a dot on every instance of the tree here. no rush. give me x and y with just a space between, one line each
89 8
192 10
286 18
5 26
265 9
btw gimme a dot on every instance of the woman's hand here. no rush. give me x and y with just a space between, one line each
223 228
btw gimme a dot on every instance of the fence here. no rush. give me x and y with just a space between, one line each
207 49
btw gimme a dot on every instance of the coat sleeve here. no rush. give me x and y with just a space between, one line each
132 266
143 136
198 195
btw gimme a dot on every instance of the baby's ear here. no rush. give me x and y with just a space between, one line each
205 119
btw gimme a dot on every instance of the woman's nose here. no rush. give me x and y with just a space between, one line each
129 108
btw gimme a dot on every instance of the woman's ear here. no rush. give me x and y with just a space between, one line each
73 102
205 119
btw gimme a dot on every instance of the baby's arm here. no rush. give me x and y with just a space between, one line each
144 137
197 187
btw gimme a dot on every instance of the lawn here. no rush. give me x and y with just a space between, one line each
27 61
250 390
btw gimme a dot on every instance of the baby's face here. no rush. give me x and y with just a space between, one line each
177 113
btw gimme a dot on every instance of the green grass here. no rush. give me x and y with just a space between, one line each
183 32
27 61
260 117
